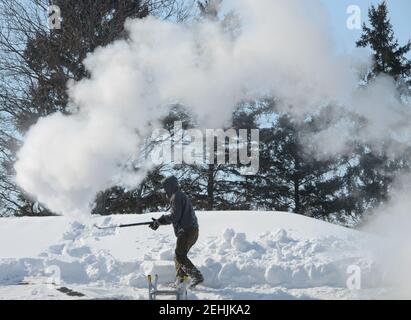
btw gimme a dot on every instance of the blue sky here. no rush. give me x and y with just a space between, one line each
400 13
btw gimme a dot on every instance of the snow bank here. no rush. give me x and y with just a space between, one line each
287 256
276 259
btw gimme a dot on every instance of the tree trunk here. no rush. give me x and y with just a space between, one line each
297 203
297 200
210 187
139 202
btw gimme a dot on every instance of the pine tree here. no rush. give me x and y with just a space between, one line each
291 177
369 180
389 57
145 198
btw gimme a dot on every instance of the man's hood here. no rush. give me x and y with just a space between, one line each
170 184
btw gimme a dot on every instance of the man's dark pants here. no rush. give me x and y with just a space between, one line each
184 267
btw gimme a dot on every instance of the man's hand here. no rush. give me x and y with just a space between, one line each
154 225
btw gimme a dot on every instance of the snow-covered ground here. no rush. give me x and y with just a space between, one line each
243 255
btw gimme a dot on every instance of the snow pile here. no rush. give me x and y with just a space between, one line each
276 259
296 253
70 260
273 259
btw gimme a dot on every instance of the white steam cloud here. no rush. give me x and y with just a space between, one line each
261 47
392 249
386 118
266 47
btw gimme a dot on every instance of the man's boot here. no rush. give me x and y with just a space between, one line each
196 279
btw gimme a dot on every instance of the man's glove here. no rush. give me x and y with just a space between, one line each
154 225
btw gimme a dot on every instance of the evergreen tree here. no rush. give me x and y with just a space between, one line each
147 197
369 180
291 176
389 57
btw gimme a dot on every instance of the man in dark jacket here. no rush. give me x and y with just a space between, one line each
184 221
